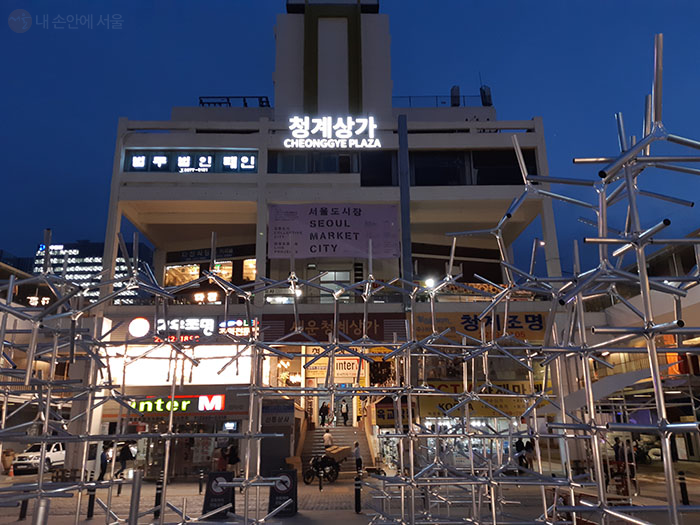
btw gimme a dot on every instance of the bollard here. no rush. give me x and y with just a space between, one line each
119 486
23 510
358 494
41 512
320 479
684 488
159 496
135 498
91 500
201 480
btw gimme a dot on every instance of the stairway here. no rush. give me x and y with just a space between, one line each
342 436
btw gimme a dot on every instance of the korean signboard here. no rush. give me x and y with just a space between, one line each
528 326
345 367
229 161
435 406
332 133
333 230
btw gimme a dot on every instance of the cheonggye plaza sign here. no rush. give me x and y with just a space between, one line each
341 133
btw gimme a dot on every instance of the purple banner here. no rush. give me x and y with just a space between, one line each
333 230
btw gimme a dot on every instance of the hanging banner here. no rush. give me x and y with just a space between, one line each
435 406
312 231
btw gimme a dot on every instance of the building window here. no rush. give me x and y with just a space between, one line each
249 267
178 274
313 162
335 280
500 167
378 168
438 168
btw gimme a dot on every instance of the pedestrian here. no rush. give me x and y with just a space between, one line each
124 456
358 457
104 460
530 454
232 457
344 412
323 413
520 452
222 460
327 439
617 449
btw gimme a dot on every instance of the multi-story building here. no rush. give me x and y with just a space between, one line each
81 262
316 179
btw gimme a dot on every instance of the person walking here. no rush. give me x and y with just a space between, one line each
358 457
530 454
344 412
104 460
124 456
232 457
520 452
327 439
323 413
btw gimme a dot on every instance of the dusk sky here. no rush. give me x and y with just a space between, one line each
574 63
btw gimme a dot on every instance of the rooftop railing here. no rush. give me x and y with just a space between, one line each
255 101
436 101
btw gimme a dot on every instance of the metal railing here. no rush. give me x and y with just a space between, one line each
437 101
254 101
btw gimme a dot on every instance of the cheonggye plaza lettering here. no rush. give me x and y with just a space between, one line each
346 133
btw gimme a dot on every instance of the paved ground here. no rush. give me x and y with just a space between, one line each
336 502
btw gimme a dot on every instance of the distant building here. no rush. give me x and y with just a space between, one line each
81 262
23 264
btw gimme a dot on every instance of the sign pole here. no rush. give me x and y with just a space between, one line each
405 193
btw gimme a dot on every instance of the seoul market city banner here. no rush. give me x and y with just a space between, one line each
333 230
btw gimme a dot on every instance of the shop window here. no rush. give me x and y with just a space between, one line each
224 270
249 266
178 274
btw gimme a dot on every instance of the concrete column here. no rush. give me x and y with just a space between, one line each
159 265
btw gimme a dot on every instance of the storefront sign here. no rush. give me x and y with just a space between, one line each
528 326
330 133
229 161
189 404
436 406
333 230
380 327
385 412
345 367
191 329
278 414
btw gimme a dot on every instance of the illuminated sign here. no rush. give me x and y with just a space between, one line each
238 327
203 403
327 133
229 161
191 329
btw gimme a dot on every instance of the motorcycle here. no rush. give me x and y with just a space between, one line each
322 467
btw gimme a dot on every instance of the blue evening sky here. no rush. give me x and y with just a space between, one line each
574 63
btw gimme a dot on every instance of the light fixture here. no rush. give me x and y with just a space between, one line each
139 327
297 292
199 297
429 282
542 243
605 354
691 342
674 392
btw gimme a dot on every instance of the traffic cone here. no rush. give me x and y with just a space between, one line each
11 473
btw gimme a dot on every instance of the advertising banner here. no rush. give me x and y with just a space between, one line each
435 406
333 230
